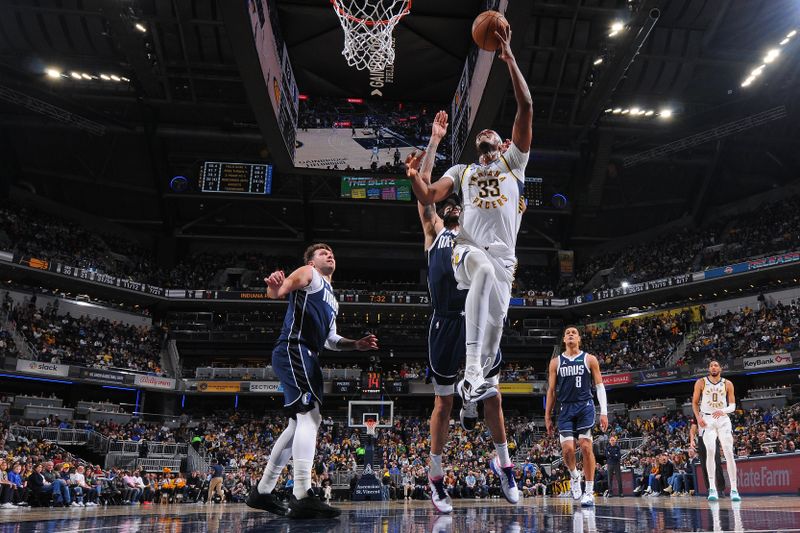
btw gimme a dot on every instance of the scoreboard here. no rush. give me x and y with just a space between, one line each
237 178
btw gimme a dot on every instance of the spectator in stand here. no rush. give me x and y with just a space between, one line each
613 456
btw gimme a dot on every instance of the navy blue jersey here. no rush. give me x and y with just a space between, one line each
311 315
446 298
574 381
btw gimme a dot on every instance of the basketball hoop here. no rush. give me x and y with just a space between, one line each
371 425
368 26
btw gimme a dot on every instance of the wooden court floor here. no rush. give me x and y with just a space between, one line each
762 514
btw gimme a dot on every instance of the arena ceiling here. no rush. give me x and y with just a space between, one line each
186 102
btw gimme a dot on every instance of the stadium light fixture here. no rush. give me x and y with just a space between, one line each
617 111
625 284
791 34
105 77
598 61
649 113
772 55
139 26
75 75
634 111
609 110
616 27
666 113
53 73
86 76
115 77
626 111
123 78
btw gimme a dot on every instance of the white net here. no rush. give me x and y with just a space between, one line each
368 26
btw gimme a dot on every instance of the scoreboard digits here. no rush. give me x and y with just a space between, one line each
237 178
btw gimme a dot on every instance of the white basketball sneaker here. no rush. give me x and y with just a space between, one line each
439 497
587 500
575 487
507 483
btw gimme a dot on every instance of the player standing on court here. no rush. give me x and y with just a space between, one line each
712 401
570 379
309 326
484 257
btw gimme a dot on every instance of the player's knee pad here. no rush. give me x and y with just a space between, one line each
586 435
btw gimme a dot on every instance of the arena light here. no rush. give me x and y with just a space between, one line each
105 77
75 75
617 111
772 55
649 113
53 73
598 61
635 111
748 81
609 110
791 34
785 41
115 77
139 26
616 27
123 78
666 113
625 284
626 111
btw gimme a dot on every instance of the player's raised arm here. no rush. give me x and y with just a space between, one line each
278 285
432 224
426 193
522 133
551 394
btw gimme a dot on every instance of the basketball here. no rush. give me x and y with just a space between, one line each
483 29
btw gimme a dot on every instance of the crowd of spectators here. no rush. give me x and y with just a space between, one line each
746 333
87 341
639 343
34 233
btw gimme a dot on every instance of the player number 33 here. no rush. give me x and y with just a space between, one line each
489 187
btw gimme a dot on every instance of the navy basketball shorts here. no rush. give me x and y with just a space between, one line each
447 349
300 375
576 418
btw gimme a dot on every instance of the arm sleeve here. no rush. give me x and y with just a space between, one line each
601 398
332 342
731 407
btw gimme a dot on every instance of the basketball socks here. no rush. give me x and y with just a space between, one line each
502 453
575 473
302 478
589 487
281 453
303 448
436 470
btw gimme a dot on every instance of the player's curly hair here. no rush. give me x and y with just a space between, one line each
309 253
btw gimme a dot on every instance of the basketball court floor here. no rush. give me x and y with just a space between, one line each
762 514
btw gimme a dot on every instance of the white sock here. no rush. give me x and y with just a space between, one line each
303 448
270 478
278 459
502 453
436 466
575 473
589 487
302 478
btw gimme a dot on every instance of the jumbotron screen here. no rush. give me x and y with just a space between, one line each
362 134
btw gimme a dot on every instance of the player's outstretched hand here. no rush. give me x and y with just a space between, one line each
275 280
365 344
412 163
548 425
439 128
604 422
505 44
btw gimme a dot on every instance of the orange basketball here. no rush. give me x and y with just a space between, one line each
484 27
